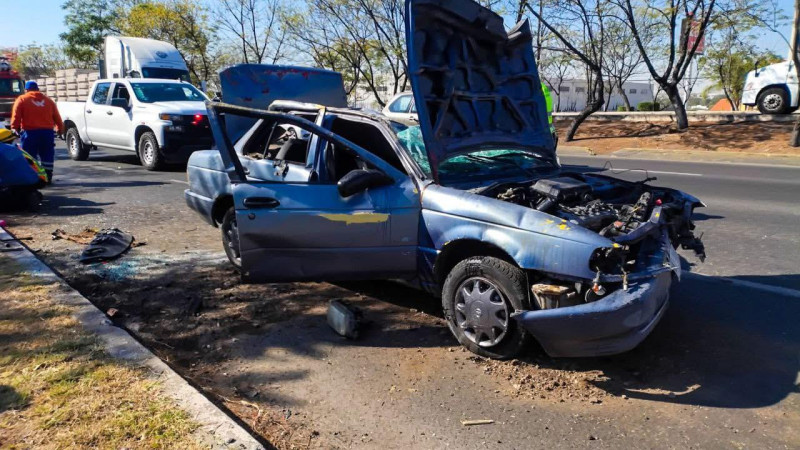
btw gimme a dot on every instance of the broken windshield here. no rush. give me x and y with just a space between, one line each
481 164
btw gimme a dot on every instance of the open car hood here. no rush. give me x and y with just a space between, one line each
475 85
258 85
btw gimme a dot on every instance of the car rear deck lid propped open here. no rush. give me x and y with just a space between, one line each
475 85
258 85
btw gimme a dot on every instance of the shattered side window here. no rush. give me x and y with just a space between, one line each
411 139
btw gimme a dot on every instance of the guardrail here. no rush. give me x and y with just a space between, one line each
669 116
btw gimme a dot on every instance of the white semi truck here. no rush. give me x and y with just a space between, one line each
130 57
773 88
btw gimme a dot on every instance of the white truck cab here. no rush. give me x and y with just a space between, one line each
163 121
773 89
130 57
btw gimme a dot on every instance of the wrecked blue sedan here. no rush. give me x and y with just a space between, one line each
471 205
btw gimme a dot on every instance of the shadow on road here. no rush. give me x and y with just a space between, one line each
718 345
128 159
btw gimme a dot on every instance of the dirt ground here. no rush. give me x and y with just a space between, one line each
752 137
261 351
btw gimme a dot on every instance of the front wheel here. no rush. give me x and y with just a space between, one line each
149 154
773 101
230 238
478 298
78 151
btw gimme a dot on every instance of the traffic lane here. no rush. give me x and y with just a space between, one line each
749 226
703 168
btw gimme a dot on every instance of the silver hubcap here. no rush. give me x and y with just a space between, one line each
148 152
773 102
481 311
73 145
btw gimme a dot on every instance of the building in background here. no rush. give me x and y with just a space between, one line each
570 95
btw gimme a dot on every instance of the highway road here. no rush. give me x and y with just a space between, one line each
720 370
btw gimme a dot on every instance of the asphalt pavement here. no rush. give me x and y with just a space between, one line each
721 370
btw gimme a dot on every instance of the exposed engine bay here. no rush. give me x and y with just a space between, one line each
637 217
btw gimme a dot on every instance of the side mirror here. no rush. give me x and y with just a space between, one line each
360 180
119 103
755 66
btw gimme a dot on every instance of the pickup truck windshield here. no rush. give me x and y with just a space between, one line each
166 92
10 86
167 74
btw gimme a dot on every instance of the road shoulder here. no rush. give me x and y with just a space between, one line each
24 271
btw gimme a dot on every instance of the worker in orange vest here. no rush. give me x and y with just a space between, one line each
35 118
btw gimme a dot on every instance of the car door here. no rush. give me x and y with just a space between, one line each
305 230
119 119
96 114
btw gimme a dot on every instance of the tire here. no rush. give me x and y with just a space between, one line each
230 238
773 101
148 151
483 324
78 151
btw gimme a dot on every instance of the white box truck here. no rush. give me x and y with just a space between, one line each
130 57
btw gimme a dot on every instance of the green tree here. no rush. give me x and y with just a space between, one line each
88 22
35 61
727 66
182 23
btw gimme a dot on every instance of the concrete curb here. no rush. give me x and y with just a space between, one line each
669 116
217 429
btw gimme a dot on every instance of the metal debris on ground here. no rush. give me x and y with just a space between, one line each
469 423
344 318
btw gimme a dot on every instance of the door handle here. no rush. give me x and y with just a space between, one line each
88 111
261 202
109 112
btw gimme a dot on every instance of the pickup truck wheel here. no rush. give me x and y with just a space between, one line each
230 238
149 154
78 151
478 298
773 101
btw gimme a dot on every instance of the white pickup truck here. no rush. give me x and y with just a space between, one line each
163 121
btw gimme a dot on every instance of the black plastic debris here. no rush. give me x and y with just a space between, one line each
344 318
107 245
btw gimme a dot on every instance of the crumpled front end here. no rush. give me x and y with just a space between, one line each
615 323
615 308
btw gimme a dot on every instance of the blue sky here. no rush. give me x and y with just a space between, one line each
41 21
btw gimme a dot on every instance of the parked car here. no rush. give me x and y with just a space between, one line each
470 205
401 109
163 121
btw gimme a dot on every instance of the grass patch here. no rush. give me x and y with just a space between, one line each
58 388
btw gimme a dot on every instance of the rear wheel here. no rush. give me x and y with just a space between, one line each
78 151
230 238
478 298
149 154
773 101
